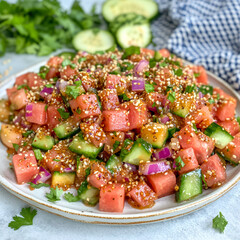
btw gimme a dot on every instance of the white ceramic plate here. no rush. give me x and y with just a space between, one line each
164 209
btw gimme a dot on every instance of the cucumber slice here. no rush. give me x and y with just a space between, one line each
43 142
67 55
155 133
67 129
141 151
190 185
228 159
113 164
92 41
134 35
113 8
63 180
80 146
219 134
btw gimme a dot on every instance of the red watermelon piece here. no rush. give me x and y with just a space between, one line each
109 99
232 126
36 113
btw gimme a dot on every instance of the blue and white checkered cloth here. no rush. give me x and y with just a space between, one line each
204 32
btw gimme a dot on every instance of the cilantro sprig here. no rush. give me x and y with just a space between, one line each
219 222
63 113
179 163
26 219
54 194
130 51
39 185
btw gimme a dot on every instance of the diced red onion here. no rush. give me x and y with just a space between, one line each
67 170
165 119
200 94
29 108
162 154
152 109
154 167
46 92
140 67
138 85
174 165
129 135
88 70
42 176
131 167
62 86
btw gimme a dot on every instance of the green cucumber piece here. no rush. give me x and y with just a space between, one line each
113 164
63 180
81 146
219 134
93 41
134 35
67 128
190 185
88 194
43 142
113 8
231 161
141 151
181 108
67 55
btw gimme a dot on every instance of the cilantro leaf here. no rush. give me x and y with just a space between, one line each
130 51
178 72
171 96
70 197
39 185
38 154
219 222
152 63
26 219
179 163
190 88
149 87
27 133
63 113
82 59
147 74
196 75
238 120
25 86
125 97
67 62
115 145
73 91
15 146
54 194
205 89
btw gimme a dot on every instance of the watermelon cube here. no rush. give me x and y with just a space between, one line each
36 113
53 72
22 79
68 72
25 166
49 162
154 100
34 81
232 126
10 91
112 198
116 82
55 61
112 138
213 171
109 99
18 99
53 117
163 184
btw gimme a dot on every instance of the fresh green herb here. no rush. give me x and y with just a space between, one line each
63 113
49 86
112 49
25 86
70 197
154 105
87 172
171 131
211 101
238 120
127 145
190 88
99 65
147 74
54 194
205 89
169 88
157 56
171 96
149 87
125 97
67 62
39 185
130 51
27 133
178 72
82 59
220 222
25 144
56 160
155 119
78 110
179 163
196 75
116 145
163 64
115 72
38 154
73 91
115 133
26 219
152 63
83 187
194 127
218 96
46 107
113 56
15 146
126 66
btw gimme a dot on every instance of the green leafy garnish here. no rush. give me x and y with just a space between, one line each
54 194
73 91
82 59
27 133
125 66
178 72
125 97
194 127
154 105
70 197
196 75
238 120
179 163
45 108
25 86
211 101
67 62
219 222
39 185
115 72
130 51
26 219
147 74
171 131
56 160
87 171
190 88
49 86
115 145
149 87
63 113
78 110
15 146
171 96
204 89
38 154
152 63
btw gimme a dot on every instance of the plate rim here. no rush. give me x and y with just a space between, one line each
217 193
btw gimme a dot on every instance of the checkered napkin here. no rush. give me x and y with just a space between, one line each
205 32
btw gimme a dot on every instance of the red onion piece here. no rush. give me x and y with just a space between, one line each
138 85
200 94
62 86
129 135
29 108
131 167
154 167
88 70
165 119
42 176
140 67
162 154
46 92
152 109
67 170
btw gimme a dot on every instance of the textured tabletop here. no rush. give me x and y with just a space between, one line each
197 225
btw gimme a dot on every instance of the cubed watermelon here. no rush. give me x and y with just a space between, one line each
143 195
25 166
22 79
34 81
36 113
53 116
164 52
163 184
68 72
188 157
154 100
87 82
115 120
10 91
232 126
201 74
116 82
109 99
113 138
18 99
53 72
213 171
112 198
54 61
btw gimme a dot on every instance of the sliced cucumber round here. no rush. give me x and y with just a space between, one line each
93 40
112 8
134 35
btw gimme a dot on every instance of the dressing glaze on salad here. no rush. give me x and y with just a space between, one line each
132 125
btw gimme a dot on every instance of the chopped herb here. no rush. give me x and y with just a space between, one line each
115 133
56 160
179 163
154 105
130 51
78 110
83 187
115 72
67 62
87 171
126 66
219 222
157 56
178 72
46 107
152 63
27 133
149 87
25 144
218 96
147 74
73 91
49 86
82 59
155 119
125 97
78 83
15 146
190 88
194 127
99 65
163 64
204 89
196 75
38 154
25 86
171 131
169 88
211 101
39 185
116 145
70 197
113 56
238 120
63 113
54 194
171 96
26 219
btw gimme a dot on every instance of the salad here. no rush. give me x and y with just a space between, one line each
133 125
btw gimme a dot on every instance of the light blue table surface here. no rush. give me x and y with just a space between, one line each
197 225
